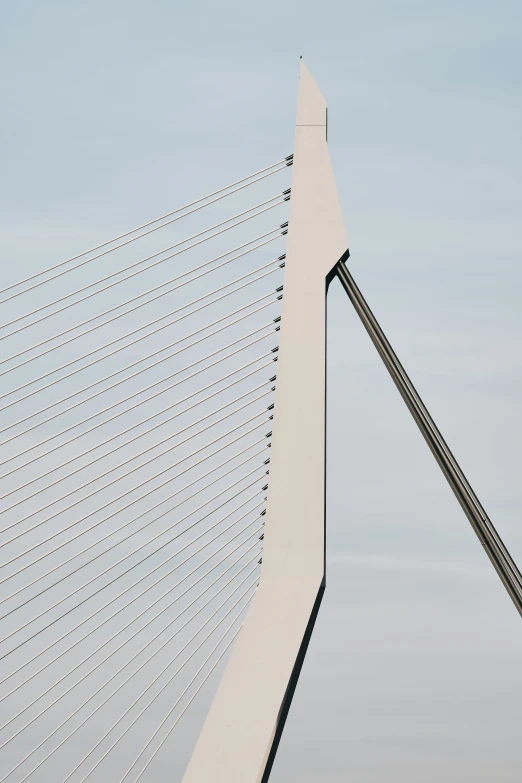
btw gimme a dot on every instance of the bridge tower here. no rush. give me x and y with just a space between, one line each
243 728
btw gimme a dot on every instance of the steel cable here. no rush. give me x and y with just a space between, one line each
126 524
131 459
120 497
139 424
194 394
268 325
122 644
156 263
124 627
143 663
124 337
75 405
127 233
134 721
138 372
154 489
171 710
185 708
143 337
69 595
145 293
155 568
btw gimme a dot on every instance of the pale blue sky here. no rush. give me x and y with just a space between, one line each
114 112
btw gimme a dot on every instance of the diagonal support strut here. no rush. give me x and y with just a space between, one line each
495 548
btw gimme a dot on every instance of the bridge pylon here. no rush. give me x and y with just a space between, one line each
243 727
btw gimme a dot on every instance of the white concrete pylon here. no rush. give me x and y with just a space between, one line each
242 730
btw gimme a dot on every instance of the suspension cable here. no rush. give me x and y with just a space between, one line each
143 664
137 372
75 405
132 458
185 708
148 492
155 255
149 291
170 527
97 326
128 623
125 559
142 402
72 539
122 644
253 584
151 491
133 635
182 400
151 448
171 710
127 524
141 295
139 361
140 546
140 423
134 230
143 337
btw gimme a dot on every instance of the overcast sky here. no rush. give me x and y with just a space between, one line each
115 112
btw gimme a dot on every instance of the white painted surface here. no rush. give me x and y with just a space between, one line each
237 736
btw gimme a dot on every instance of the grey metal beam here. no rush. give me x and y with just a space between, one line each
482 525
